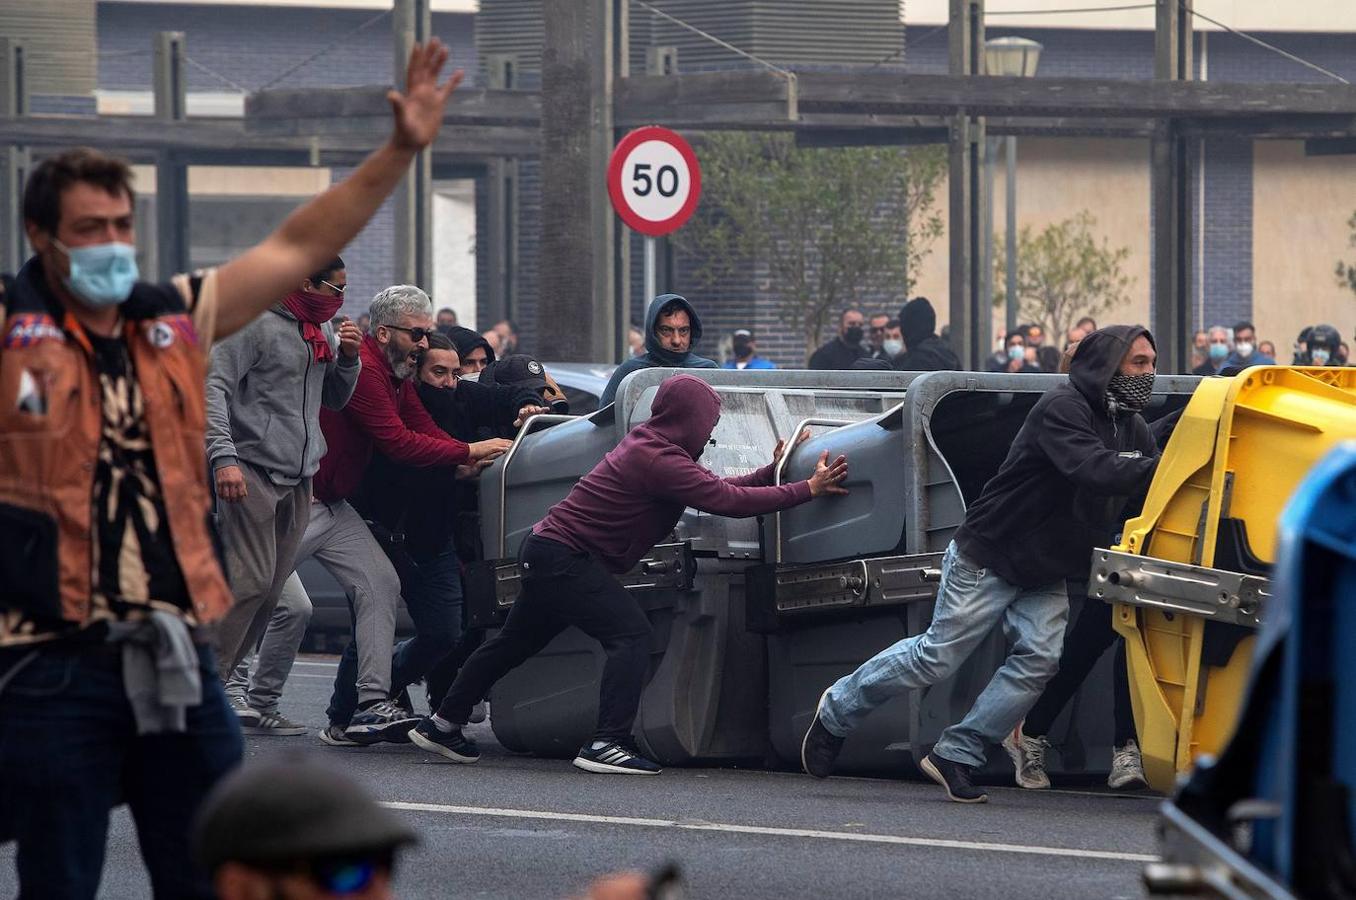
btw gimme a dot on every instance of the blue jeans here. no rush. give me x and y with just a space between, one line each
970 602
433 595
69 753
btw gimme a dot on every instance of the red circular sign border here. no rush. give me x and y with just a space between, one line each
614 180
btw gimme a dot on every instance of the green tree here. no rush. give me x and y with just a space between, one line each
1064 272
1346 271
829 224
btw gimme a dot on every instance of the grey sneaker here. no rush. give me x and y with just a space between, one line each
479 713
384 721
275 724
241 707
1127 768
1028 759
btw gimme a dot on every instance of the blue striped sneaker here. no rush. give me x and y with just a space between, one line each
614 759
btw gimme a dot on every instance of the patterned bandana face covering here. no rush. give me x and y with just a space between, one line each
1127 394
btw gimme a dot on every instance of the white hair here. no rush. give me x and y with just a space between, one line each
1228 332
396 301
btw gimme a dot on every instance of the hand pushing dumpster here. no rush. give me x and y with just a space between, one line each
1191 578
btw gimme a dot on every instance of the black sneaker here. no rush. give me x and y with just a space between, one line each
452 744
382 721
614 759
954 777
820 747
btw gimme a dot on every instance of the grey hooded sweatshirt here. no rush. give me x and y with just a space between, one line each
264 393
655 355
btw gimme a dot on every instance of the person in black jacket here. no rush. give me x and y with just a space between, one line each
473 351
417 511
923 350
1082 452
846 347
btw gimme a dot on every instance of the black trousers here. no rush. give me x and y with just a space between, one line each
562 587
1084 645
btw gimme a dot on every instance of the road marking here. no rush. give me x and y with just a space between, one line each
324 665
308 675
697 825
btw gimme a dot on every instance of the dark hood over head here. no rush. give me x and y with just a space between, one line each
684 413
652 345
466 340
917 321
1099 356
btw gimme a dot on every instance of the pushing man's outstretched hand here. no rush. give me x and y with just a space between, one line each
418 112
829 476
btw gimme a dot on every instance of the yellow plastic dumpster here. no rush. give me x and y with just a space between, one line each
1190 578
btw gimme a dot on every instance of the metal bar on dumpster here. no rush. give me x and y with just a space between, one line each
546 418
1168 586
1195 861
874 582
665 566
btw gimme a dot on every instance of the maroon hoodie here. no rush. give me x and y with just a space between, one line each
633 498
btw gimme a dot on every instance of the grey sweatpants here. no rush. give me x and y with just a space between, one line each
277 651
341 542
261 534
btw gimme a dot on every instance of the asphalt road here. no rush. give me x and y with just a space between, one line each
517 827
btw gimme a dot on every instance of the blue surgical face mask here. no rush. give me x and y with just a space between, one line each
1016 351
1219 351
1320 357
101 274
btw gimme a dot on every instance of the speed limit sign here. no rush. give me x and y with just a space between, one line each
654 181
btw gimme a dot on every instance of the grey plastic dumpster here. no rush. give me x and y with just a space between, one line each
707 695
845 581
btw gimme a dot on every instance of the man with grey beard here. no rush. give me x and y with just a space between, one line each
361 711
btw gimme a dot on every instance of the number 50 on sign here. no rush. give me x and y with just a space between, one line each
654 181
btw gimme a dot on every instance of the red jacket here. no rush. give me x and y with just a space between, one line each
372 419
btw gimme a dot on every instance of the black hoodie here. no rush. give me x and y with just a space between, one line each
1063 488
466 340
924 351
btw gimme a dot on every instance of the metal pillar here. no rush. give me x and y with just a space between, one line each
1011 301
966 186
171 174
501 242
13 159
986 289
412 23
1172 197
583 244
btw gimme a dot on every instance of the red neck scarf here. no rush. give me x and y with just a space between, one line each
313 310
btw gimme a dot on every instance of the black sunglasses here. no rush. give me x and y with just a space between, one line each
416 334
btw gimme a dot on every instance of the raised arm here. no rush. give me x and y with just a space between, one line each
316 232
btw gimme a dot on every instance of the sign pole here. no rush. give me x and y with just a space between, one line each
651 288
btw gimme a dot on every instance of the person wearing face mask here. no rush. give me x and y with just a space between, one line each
428 508
265 388
672 328
473 351
1014 357
924 350
1246 352
108 688
1082 452
846 347
1325 347
361 708
569 564
1220 345
746 353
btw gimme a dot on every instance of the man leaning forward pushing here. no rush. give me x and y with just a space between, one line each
1082 452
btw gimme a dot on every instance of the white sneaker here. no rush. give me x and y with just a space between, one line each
1028 759
1127 768
241 707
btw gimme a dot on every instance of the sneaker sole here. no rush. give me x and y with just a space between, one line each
375 733
424 743
804 766
329 741
277 732
932 772
600 768
1137 783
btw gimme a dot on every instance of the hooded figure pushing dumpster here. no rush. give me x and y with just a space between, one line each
610 520
1082 452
